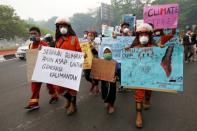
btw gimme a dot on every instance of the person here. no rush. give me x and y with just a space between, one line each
85 35
144 38
108 89
192 56
49 39
35 86
125 31
94 89
189 46
67 39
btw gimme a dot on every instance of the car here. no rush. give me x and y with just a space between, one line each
21 51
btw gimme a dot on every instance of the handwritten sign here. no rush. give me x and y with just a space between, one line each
162 16
130 19
139 22
154 68
59 67
107 30
85 47
103 69
31 56
117 45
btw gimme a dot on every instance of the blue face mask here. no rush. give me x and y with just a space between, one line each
107 56
32 38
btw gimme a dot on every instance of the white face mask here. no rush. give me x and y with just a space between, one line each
85 36
63 30
144 40
157 33
126 30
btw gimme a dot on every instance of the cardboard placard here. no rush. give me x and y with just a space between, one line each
103 69
85 47
31 57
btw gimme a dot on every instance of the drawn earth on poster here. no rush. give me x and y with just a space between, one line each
153 68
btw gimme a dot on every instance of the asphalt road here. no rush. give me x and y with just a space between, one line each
169 112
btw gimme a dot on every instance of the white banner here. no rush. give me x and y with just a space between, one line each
59 67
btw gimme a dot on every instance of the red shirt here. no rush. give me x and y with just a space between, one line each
36 45
68 43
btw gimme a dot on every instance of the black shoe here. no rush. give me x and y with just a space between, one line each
53 100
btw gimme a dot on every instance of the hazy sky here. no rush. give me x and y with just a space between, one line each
45 9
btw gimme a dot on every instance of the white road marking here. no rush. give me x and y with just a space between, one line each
26 124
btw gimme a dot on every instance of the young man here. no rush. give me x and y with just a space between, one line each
35 86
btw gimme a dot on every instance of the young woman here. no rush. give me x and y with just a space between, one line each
67 39
94 89
144 38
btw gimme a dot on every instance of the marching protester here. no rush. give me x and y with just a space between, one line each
85 35
193 42
125 31
144 37
94 89
108 89
189 46
35 86
67 39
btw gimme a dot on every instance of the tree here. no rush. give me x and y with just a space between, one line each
81 22
10 24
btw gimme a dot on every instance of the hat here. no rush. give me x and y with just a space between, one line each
144 27
62 20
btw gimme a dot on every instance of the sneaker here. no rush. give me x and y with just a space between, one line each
32 107
53 100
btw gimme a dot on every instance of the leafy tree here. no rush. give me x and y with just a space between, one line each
10 24
81 22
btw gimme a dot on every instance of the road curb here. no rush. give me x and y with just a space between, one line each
7 57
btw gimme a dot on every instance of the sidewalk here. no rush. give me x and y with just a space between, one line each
6 55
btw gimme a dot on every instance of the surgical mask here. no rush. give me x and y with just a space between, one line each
107 56
157 33
144 40
63 30
126 30
32 38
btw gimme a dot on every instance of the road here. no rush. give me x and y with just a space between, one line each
169 112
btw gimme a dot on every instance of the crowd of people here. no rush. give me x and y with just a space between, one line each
65 38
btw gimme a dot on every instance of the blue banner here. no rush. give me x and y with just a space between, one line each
116 44
153 68
130 19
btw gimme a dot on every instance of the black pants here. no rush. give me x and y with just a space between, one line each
87 73
108 90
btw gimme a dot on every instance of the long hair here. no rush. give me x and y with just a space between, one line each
58 34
